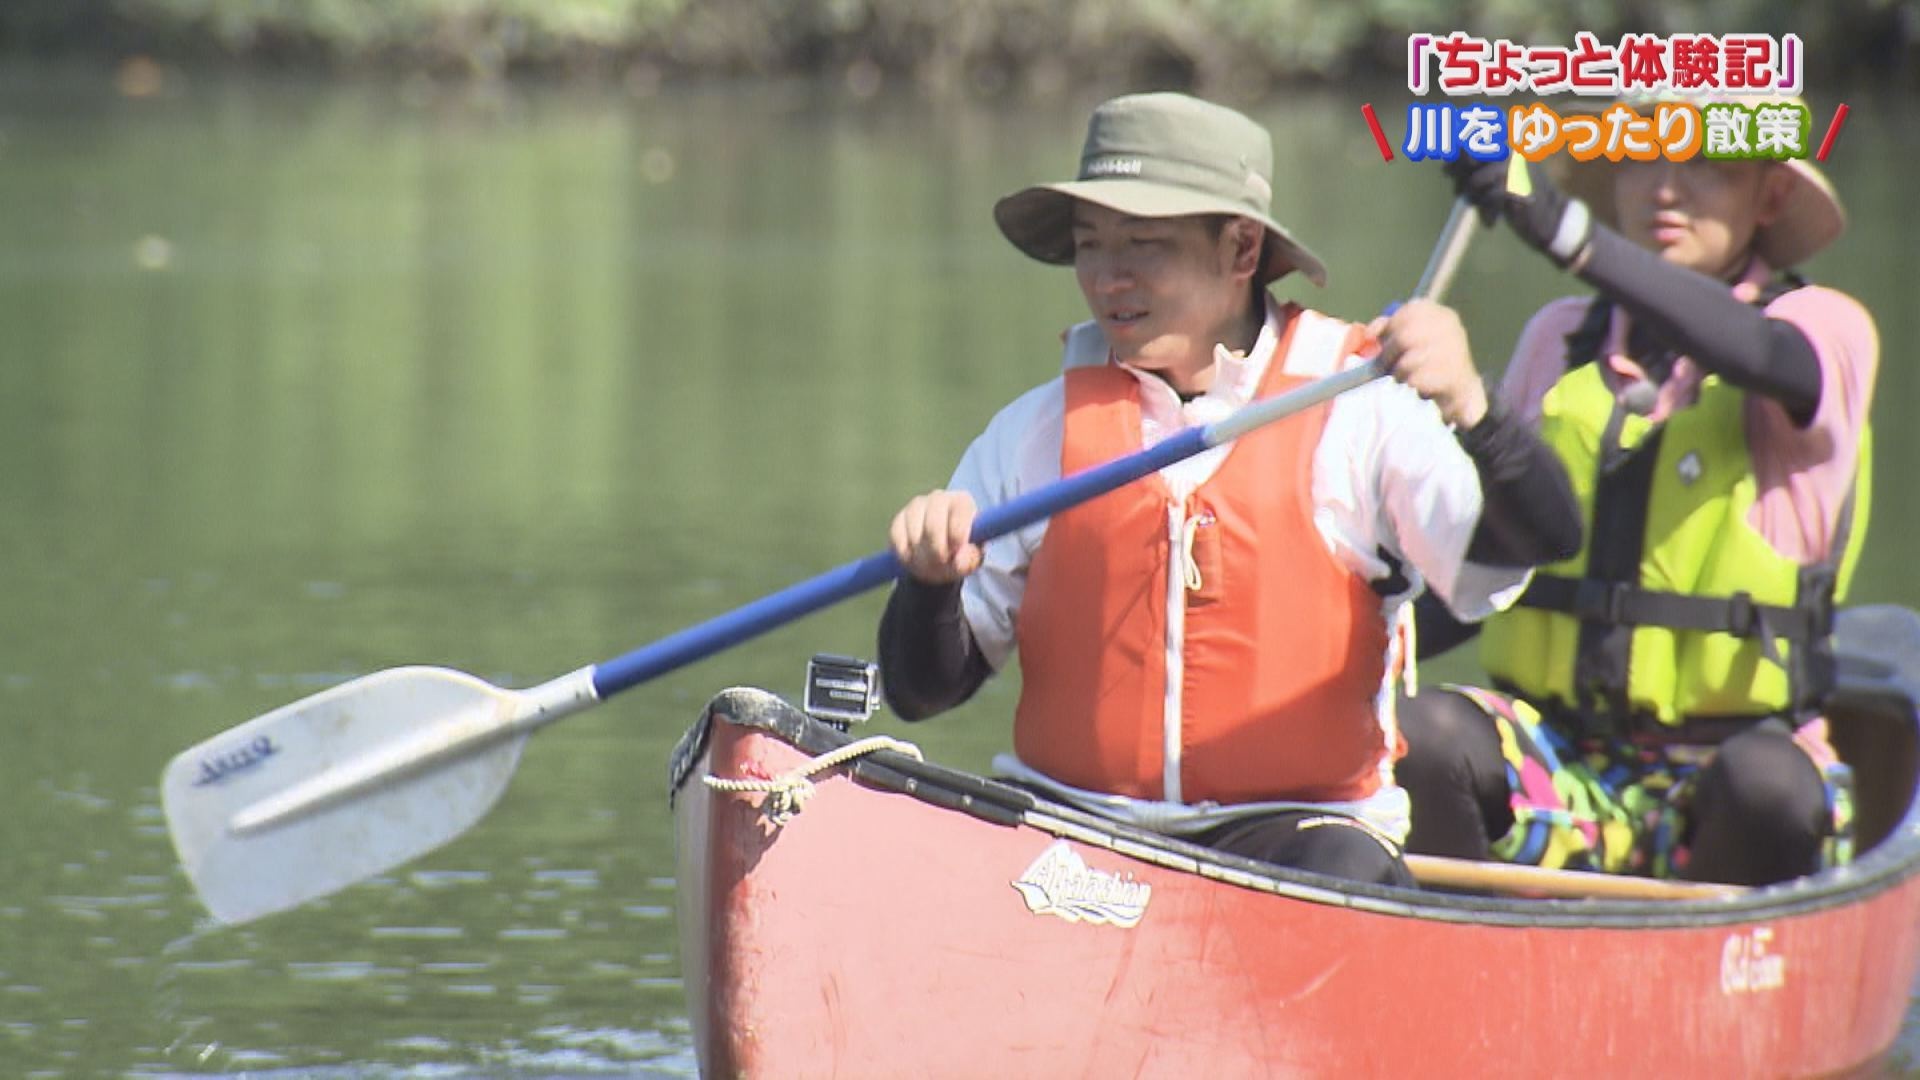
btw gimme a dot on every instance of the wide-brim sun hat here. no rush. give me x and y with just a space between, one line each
1161 155
1811 216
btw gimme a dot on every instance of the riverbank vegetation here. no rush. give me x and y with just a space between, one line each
948 47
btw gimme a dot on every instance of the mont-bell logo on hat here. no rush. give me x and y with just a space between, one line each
1113 166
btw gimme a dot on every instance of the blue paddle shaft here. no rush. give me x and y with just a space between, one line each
724 631
776 610
770 612
742 623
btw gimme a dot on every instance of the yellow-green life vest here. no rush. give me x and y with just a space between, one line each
1677 608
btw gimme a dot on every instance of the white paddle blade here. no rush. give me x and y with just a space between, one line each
402 761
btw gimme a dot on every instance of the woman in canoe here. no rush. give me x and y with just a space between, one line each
1659 691
1211 651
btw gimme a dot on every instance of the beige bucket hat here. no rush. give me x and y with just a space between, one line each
1811 217
1161 155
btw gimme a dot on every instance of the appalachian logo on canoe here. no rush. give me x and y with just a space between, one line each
1060 883
220 766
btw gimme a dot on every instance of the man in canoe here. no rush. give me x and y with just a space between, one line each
1660 691
1211 650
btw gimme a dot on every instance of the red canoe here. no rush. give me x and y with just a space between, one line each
911 920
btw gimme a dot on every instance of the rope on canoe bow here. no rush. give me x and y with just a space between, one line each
787 794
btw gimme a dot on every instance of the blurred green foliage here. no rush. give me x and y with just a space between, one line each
977 46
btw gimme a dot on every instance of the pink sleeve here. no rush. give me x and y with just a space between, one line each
1540 357
1805 474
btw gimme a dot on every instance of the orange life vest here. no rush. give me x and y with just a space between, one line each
1281 647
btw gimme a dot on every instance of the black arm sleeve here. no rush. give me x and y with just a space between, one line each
1529 516
928 659
1695 315
1435 629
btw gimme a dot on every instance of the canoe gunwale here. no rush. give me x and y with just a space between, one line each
1890 863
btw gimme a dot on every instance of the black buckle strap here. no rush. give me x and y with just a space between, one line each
1743 614
1620 604
1592 600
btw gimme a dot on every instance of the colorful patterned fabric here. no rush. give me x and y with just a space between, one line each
1621 806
